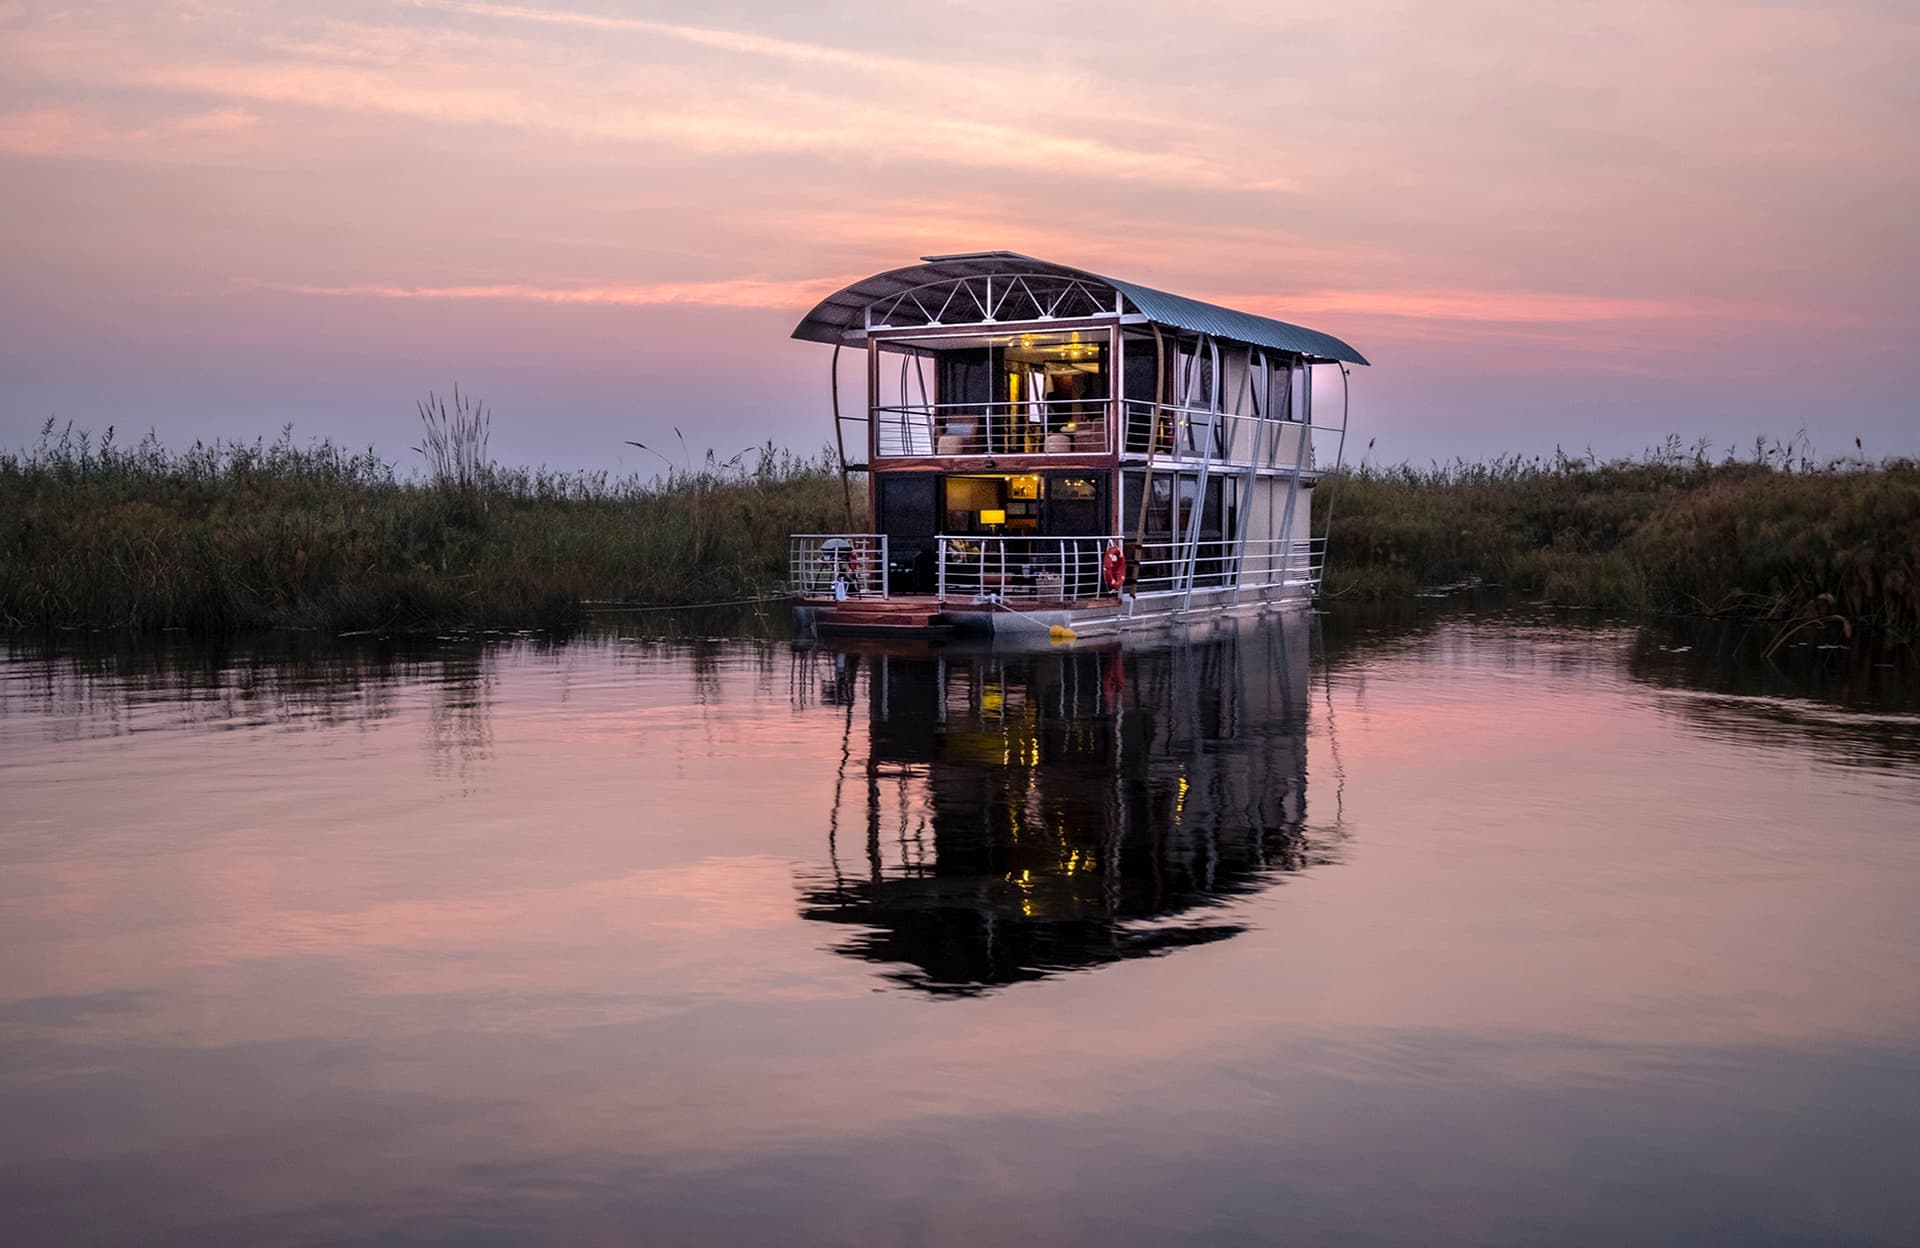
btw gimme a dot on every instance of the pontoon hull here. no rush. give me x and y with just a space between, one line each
927 616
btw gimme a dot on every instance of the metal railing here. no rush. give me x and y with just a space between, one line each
1183 434
837 565
1088 427
1034 569
1060 569
1039 427
1170 566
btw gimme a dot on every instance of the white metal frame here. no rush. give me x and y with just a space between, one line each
984 567
857 562
924 430
1051 569
994 298
1184 430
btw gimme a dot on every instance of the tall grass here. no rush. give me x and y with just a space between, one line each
225 536
454 443
1775 536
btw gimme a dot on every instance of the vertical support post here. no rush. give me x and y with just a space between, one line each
840 441
940 583
1206 465
926 406
1153 435
873 414
1299 464
1242 513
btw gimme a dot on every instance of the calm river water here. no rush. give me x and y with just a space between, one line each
1464 927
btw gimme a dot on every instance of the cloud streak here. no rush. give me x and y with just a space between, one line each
889 109
1512 307
725 40
68 134
1530 318
757 293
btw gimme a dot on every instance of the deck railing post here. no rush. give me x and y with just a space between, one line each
1206 465
940 582
1302 449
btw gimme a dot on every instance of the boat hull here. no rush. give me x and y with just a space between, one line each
929 617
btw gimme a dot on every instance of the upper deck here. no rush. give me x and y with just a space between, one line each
999 361
1034 429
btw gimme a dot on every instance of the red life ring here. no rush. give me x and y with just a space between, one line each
1113 566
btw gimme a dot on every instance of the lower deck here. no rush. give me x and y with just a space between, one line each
929 616
954 571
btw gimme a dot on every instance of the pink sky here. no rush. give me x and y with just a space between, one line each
1585 224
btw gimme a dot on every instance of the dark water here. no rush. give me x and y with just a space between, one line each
1449 928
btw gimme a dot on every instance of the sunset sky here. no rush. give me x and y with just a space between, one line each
1579 224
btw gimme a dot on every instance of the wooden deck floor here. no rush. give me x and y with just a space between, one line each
924 614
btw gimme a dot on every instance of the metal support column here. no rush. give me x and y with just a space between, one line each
1299 462
1206 466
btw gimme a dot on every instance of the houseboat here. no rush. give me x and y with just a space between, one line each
1050 449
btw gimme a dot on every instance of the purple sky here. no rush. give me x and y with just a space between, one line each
1577 224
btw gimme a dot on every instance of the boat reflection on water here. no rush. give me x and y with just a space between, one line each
1007 816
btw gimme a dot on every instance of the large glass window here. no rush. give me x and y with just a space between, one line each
1056 385
1076 505
1159 518
1007 394
1057 504
973 503
1195 380
1164 519
1141 368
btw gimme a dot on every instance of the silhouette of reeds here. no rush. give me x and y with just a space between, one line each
1775 535
454 443
238 535
226 536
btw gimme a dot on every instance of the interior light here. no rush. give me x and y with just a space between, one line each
993 515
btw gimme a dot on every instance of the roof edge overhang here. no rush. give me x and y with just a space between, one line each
840 317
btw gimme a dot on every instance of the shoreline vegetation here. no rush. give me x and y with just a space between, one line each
237 536
234 536
1776 538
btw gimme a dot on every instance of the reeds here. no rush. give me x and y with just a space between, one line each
235 535
454 443
227 536
1776 536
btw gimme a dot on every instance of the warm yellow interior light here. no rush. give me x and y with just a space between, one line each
993 515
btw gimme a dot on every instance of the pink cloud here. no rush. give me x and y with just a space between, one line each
728 293
1507 306
67 133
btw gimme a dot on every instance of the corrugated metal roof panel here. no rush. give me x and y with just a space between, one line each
843 310
1209 318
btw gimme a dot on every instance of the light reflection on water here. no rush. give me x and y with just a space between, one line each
1463 929
1015 815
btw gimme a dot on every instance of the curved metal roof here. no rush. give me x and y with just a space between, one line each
844 310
